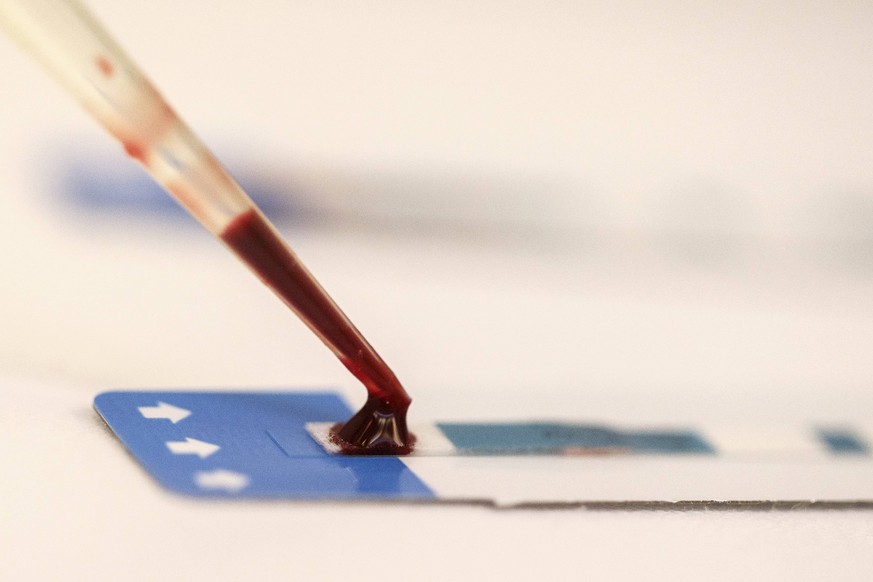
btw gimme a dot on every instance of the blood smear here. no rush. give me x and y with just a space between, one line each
105 66
135 151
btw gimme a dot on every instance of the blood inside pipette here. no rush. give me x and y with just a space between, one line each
380 426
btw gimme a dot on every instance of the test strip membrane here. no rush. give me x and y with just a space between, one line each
560 438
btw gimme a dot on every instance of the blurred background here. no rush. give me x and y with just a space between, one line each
641 211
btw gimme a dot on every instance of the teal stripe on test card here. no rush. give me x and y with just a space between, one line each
558 438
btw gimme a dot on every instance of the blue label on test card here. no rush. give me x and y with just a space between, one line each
249 444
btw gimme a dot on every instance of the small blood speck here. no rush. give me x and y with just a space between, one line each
135 151
105 66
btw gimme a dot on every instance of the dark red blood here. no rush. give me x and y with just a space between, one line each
373 432
105 66
135 151
380 426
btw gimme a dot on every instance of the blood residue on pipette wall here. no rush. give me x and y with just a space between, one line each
105 66
380 426
135 151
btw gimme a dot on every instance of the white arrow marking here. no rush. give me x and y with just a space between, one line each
192 447
164 410
230 481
